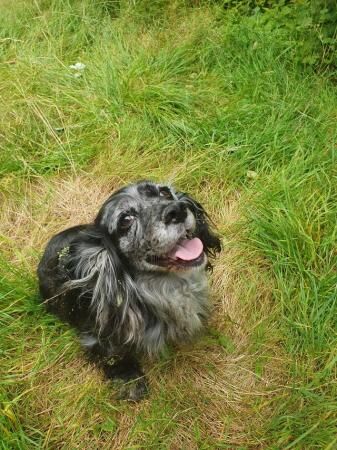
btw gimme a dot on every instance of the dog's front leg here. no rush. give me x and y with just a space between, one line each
120 366
127 370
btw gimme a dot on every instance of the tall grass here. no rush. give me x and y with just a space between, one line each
217 102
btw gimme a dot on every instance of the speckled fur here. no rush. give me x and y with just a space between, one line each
107 281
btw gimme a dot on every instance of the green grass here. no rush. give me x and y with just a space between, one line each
216 101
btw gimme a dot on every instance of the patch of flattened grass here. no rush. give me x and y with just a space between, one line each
196 393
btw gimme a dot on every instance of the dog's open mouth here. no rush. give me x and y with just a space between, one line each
186 253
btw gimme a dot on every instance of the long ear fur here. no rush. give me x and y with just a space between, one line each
209 238
98 271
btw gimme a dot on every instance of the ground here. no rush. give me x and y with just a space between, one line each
216 102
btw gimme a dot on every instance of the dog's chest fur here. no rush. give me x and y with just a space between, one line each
178 306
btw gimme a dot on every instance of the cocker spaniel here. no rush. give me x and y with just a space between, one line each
134 280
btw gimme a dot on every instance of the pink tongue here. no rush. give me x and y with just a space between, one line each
188 249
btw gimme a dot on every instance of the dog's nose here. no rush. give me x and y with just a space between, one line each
175 213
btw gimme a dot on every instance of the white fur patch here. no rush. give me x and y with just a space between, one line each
88 340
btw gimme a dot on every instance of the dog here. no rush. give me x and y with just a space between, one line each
134 280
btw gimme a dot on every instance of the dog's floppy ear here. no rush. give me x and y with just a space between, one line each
97 270
209 238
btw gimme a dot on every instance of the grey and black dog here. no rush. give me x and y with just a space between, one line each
134 280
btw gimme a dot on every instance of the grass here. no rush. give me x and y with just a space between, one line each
216 102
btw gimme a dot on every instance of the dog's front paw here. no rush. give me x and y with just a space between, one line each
134 390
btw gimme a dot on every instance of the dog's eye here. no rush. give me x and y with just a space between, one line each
165 192
126 221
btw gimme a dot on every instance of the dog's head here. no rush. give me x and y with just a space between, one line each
156 228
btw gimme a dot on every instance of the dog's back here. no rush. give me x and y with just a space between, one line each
54 272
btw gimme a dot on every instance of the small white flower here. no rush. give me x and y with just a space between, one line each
77 66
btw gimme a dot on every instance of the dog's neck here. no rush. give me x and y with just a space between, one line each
178 303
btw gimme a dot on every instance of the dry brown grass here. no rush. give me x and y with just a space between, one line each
45 207
207 390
